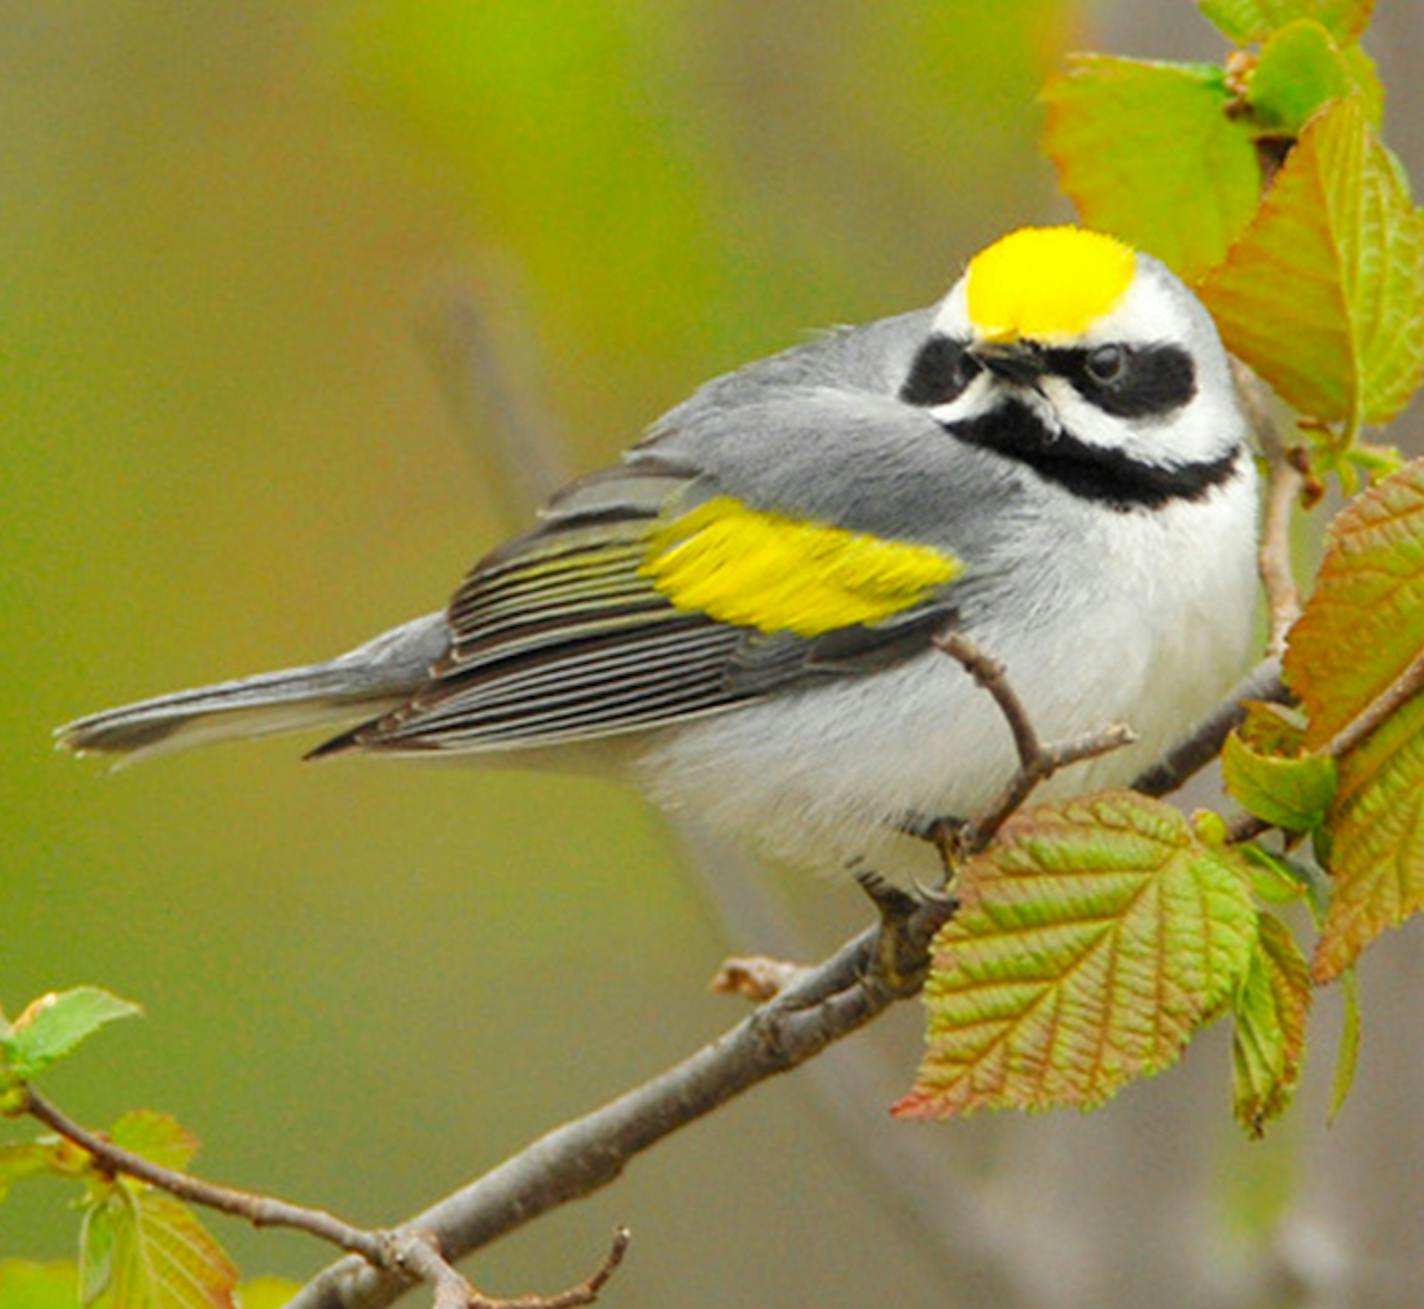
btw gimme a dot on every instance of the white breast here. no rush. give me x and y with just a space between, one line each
1143 618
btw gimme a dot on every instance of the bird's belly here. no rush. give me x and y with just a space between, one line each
825 774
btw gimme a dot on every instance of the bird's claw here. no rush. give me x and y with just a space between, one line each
901 957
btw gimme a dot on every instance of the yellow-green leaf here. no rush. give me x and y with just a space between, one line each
1347 1057
1092 939
1323 295
1377 847
27 1285
144 1249
1364 622
159 1138
21 1159
1289 793
1270 728
1245 21
1270 1011
1277 879
1146 152
1299 69
1363 626
53 1025
265 1293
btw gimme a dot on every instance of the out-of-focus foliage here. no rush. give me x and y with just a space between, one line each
228 234
52 1026
1245 21
1320 287
1146 151
1300 67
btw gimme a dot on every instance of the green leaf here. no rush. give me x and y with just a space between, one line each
1146 151
1092 940
1323 295
144 1249
1364 621
1289 793
1364 78
265 1293
159 1138
21 1159
1270 728
1299 69
1347 1057
1377 841
1245 21
1278 880
1362 628
1268 1043
98 1242
54 1024
27 1285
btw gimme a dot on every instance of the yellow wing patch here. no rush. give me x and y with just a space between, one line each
1047 283
780 574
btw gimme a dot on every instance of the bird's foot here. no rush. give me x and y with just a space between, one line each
943 833
908 922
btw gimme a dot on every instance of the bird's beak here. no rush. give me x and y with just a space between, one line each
1014 361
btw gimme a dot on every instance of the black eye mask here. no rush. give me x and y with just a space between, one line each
942 369
1148 382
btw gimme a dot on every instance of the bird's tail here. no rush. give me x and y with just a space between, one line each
361 683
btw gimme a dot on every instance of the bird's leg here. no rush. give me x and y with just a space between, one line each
943 833
908 922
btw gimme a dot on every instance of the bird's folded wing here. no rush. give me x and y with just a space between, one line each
647 598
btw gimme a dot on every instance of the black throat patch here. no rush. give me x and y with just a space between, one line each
1092 472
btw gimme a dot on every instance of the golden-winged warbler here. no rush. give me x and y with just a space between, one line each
740 615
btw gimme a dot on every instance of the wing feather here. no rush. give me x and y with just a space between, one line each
589 626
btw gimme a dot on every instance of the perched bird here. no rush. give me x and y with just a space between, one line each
740 615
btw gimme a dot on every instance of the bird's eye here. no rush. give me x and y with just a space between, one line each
1105 364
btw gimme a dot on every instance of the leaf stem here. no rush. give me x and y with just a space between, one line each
1037 762
1398 693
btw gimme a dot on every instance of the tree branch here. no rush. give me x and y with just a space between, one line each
408 1255
1193 753
820 1005
482 347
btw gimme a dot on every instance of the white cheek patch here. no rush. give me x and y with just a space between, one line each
969 403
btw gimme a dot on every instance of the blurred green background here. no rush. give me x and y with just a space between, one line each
240 432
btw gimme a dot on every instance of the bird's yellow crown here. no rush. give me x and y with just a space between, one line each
1046 283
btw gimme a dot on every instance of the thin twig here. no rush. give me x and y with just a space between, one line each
1037 762
1403 689
586 1292
483 349
989 673
1283 486
259 1210
1285 479
1194 752
1246 827
821 1004
409 1254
